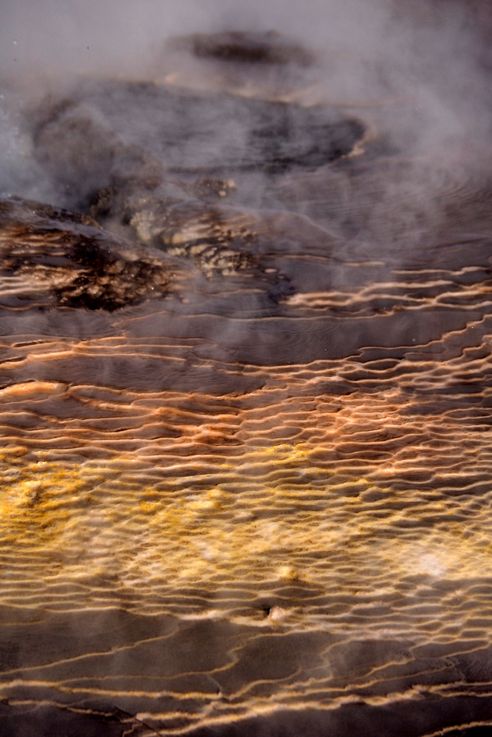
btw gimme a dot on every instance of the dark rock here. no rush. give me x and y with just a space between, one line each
56 257
246 48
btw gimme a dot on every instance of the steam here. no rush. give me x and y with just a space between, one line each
414 73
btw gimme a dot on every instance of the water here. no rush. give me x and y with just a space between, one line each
246 478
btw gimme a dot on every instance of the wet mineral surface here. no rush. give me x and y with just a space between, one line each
245 415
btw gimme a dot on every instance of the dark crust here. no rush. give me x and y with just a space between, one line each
77 263
246 48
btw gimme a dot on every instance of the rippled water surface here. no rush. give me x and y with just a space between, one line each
245 417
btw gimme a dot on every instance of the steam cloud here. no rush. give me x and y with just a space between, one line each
417 74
